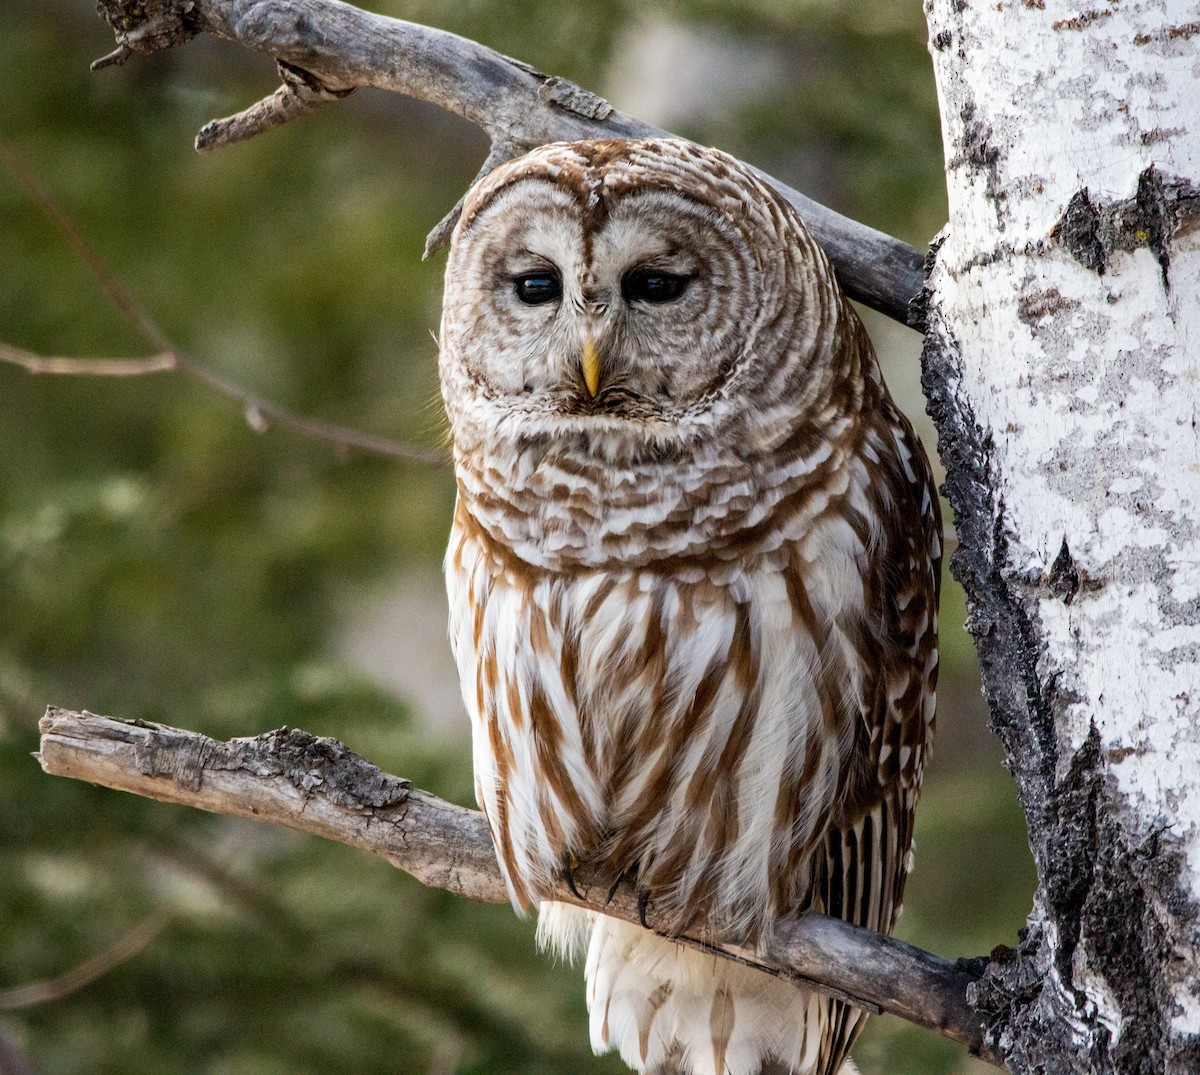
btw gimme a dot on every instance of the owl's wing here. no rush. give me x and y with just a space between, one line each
868 844
861 870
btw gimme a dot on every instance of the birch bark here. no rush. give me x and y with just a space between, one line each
1062 364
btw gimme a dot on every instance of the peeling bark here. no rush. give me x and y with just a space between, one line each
1063 375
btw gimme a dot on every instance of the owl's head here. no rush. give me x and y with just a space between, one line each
640 295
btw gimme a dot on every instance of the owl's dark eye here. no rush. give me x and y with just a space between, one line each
652 285
535 288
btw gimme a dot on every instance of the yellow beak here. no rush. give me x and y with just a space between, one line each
590 361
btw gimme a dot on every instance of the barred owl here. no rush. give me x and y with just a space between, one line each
693 581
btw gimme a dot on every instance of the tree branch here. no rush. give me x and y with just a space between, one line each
260 413
296 780
63 366
124 949
327 48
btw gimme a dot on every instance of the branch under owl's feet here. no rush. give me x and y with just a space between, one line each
325 49
317 785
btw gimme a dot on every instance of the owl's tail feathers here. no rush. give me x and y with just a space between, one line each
670 1010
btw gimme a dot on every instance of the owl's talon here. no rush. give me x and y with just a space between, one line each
569 866
643 905
628 874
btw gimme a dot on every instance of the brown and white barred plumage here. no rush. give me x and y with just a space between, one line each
693 605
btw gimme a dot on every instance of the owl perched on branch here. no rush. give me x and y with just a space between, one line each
693 583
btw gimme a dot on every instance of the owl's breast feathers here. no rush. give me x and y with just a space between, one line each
720 680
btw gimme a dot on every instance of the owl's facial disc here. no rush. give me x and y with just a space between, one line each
587 315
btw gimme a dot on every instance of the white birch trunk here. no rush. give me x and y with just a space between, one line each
1063 368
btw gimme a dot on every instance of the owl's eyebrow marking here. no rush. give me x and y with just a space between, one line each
525 257
669 256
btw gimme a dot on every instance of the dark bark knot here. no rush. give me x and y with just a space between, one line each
1162 208
344 777
1066 579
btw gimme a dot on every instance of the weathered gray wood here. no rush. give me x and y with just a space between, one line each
318 786
330 48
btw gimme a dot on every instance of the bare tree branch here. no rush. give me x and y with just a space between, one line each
124 949
130 309
328 48
300 94
260 413
296 780
59 365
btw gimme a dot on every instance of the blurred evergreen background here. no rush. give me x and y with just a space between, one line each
160 560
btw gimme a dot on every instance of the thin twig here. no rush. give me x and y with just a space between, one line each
313 785
87 367
52 989
118 294
260 413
